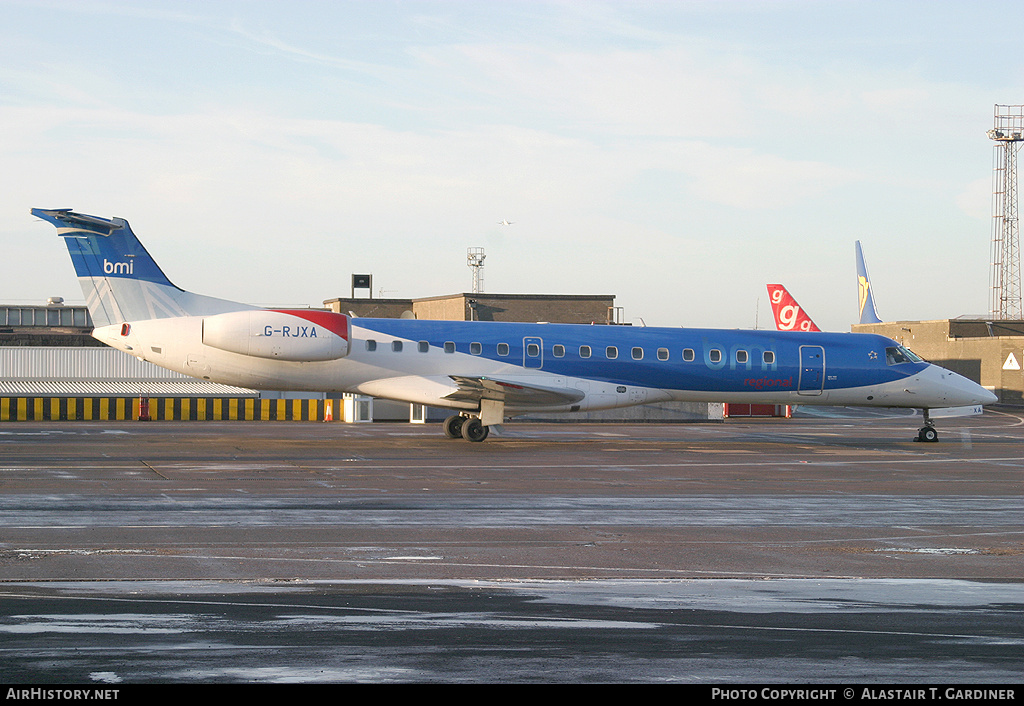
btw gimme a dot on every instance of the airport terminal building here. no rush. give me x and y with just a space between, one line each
553 308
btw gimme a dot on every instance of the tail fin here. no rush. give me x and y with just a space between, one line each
120 280
865 296
788 314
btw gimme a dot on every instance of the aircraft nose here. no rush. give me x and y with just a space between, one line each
960 391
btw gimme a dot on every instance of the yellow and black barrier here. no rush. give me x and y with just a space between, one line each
27 409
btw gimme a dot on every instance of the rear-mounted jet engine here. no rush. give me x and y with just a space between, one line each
299 335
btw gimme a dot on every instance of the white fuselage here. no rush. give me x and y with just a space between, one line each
390 366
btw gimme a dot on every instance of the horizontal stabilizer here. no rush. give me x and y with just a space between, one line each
120 280
67 217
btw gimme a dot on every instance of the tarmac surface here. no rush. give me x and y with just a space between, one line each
831 549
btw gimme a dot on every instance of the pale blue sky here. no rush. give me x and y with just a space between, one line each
679 155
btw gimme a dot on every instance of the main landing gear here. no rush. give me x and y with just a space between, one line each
928 431
468 428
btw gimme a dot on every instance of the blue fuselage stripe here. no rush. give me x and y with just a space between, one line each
723 360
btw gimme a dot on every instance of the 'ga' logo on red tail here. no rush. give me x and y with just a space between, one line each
788 314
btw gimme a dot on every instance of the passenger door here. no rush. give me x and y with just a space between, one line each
533 352
812 370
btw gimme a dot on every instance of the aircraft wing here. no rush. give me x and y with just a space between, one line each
513 394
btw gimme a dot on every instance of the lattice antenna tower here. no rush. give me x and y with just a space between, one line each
1008 134
475 259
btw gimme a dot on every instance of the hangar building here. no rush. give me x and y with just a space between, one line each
553 308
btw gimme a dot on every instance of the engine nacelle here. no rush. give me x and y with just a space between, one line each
296 335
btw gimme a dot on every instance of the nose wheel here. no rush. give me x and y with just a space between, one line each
928 432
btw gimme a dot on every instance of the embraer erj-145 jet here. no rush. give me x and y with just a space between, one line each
482 370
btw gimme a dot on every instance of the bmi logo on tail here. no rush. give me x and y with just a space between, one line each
118 268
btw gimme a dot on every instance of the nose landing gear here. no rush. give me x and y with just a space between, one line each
928 431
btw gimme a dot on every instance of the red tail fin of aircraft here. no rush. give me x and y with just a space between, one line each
788 314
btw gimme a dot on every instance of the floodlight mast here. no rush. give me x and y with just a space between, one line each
475 259
1008 134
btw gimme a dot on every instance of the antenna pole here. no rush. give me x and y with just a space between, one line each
1008 134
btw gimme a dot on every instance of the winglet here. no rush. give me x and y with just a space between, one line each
865 295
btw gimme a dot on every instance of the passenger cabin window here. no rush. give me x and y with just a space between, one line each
741 357
449 346
371 345
584 351
637 353
423 346
688 355
532 350
475 348
502 349
558 350
611 352
768 357
396 346
715 355
663 354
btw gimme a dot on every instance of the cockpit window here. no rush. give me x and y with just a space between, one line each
899 354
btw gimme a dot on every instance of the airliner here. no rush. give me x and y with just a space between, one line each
865 294
789 316
483 371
